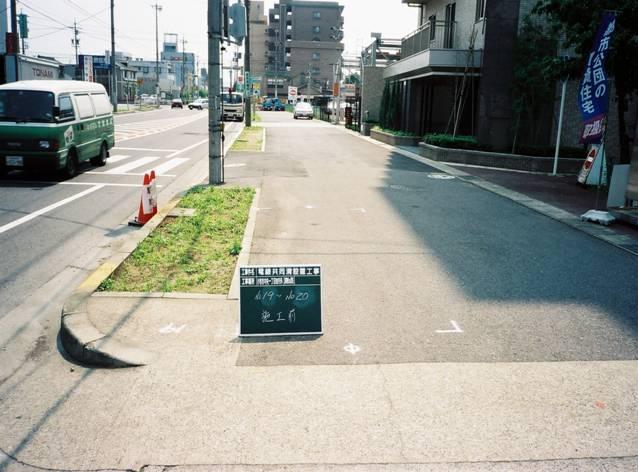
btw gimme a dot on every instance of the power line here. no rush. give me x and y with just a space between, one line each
42 13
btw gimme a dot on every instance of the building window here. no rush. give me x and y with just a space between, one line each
316 29
316 56
316 39
316 15
316 71
432 21
480 9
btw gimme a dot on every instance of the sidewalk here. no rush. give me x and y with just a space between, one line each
540 375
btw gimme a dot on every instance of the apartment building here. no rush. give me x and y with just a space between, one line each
303 42
456 68
258 24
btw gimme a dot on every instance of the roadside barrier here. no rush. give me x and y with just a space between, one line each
148 201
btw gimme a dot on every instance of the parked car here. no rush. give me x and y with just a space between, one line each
267 105
303 110
273 104
198 104
177 103
54 124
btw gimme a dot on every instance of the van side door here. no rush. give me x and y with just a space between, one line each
85 128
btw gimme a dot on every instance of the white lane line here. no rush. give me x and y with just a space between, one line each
134 174
187 148
117 158
161 170
44 210
106 185
144 149
142 161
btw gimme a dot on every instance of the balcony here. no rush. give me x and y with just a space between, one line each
437 47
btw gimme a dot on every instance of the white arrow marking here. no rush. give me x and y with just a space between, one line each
455 325
352 348
171 328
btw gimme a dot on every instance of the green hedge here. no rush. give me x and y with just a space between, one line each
395 132
456 142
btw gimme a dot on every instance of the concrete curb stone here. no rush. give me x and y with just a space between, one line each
81 339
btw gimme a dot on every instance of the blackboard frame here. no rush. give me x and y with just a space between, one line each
278 266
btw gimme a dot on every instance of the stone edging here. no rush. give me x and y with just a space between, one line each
81 339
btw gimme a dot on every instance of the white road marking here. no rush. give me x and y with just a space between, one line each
455 325
310 207
171 328
234 165
49 208
106 185
352 348
187 148
132 165
360 210
134 174
117 158
440 176
161 170
144 149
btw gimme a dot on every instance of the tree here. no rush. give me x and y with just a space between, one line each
536 69
578 21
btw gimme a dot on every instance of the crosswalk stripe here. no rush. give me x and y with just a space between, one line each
117 158
132 165
161 170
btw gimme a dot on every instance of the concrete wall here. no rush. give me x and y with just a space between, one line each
503 161
304 21
495 94
371 92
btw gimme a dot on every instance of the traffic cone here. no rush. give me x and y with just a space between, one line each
153 193
145 212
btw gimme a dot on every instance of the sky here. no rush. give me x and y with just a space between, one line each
51 25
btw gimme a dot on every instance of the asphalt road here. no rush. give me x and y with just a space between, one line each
447 314
422 268
53 232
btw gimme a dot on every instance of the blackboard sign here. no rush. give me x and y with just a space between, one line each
280 300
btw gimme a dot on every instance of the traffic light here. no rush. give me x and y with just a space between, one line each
237 16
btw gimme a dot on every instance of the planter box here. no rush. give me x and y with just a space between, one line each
366 127
504 161
393 140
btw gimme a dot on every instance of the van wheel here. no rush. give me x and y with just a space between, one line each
71 168
100 159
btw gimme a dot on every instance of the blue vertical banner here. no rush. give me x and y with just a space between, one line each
593 95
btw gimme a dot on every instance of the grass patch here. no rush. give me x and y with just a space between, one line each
250 139
195 254
256 117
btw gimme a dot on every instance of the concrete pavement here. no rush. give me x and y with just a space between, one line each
480 336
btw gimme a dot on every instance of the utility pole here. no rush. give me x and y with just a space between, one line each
158 8
14 29
113 71
76 42
247 84
214 75
183 65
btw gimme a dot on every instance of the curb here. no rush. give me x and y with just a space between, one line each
608 235
246 245
80 338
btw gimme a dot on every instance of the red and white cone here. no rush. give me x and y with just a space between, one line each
148 208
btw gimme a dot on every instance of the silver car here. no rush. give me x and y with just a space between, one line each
303 110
